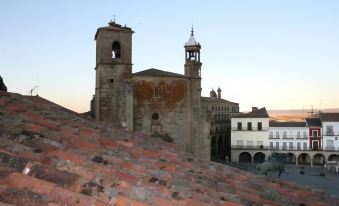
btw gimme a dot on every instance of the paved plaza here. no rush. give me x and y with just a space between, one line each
311 177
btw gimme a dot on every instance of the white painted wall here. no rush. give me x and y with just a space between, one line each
253 136
329 137
290 138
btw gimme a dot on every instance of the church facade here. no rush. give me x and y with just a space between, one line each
159 103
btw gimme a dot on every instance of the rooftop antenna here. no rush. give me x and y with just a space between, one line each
31 91
303 112
311 112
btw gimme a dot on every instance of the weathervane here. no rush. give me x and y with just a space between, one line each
192 31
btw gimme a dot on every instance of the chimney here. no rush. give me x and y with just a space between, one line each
254 109
219 93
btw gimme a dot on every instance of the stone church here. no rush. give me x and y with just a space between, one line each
155 102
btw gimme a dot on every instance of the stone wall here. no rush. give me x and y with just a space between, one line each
167 114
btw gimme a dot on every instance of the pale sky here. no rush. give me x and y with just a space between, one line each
278 54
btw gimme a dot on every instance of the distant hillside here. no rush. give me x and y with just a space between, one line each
299 112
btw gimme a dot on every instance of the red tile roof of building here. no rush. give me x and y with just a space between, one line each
258 113
329 117
50 156
274 123
157 72
217 100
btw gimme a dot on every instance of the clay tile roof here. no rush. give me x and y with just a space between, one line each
260 113
50 156
209 99
329 117
157 72
313 122
274 123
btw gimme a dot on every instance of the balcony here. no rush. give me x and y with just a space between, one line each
329 133
282 148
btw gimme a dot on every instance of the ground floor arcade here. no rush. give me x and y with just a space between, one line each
293 157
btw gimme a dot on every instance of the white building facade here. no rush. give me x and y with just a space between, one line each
249 131
288 135
313 141
330 128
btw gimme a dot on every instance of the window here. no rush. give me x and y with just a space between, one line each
315 133
116 50
259 126
329 130
271 145
155 116
329 144
239 126
260 144
271 134
284 134
304 145
298 146
277 145
212 108
284 145
249 125
290 145
156 92
298 135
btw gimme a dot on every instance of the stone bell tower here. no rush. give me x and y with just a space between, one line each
193 72
193 68
114 89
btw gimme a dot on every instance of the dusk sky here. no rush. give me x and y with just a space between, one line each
278 54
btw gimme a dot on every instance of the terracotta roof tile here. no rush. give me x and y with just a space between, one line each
157 72
329 117
260 113
51 156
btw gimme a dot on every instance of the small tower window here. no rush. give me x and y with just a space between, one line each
156 92
116 50
191 55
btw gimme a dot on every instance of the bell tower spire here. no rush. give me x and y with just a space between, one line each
192 56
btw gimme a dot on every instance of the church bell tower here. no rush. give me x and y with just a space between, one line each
193 68
114 89
193 72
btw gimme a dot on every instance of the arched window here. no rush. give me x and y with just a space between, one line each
116 50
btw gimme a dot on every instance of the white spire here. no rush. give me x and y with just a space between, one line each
191 40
